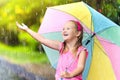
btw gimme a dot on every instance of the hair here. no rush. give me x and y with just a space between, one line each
78 27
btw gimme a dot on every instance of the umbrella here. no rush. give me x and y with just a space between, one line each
101 38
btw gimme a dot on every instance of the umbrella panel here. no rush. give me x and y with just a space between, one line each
52 54
100 64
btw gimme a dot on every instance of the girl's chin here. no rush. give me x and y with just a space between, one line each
66 40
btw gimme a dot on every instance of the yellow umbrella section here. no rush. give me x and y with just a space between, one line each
100 68
79 11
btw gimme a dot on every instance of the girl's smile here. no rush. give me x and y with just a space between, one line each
65 34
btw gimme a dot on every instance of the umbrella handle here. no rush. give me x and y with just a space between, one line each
93 35
87 42
89 39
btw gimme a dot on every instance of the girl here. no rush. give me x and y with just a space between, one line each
73 55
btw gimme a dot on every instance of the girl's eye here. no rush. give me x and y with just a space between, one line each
68 28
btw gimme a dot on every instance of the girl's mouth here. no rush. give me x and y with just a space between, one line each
65 34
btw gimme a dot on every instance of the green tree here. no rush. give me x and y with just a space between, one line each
29 12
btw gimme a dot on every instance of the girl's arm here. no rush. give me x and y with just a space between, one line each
80 66
50 43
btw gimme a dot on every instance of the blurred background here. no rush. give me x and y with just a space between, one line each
18 48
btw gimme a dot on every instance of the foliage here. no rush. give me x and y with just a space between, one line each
22 54
28 11
109 8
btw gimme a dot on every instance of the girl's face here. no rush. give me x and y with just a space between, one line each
69 31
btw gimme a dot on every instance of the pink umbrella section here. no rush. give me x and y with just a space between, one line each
54 20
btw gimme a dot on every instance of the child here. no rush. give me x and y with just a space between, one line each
73 55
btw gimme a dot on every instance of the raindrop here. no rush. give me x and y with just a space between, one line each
3 31
0 19
119 7
29 1
42 3
36 13
25 7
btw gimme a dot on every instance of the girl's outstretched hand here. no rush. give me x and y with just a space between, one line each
22 26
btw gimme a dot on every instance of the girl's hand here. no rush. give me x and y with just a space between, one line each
23 26
65 75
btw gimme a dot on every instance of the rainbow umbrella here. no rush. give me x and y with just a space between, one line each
101 38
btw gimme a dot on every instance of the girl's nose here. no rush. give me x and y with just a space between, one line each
64 31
